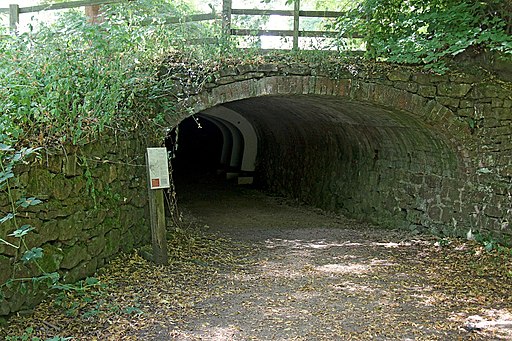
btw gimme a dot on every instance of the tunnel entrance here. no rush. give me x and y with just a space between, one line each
351 157
196 146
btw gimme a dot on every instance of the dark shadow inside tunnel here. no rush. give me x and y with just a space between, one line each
351 157
196 146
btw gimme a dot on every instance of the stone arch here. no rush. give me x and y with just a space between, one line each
419 124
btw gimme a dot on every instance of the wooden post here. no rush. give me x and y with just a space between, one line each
227 5
14 17
158 225
296 21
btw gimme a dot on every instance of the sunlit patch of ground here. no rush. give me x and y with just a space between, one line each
326 278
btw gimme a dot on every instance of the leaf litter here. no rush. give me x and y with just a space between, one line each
293 273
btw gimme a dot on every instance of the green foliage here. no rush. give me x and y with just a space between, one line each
71 80
9 158
426 32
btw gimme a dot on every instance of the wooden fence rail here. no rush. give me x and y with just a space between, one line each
226 16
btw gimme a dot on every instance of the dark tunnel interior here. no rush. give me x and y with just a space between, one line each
350 157
196 146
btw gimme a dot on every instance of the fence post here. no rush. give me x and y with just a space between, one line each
14 16
227 5
296 20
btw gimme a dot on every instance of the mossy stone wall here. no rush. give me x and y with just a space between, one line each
94 206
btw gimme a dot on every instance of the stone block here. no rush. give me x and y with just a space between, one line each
245 68
448 101
427 90
466 104
61 187
228 71
73 255
342 87
425 79
399 75
453 89
268 68
96 245
497 102
6 266
502 114
407 86
486 91
70 166
52 258
81 271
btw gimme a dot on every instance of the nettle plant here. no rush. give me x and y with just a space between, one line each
16 239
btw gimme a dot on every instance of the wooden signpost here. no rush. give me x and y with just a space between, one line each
158 179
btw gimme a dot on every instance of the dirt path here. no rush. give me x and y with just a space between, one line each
316 276
284 272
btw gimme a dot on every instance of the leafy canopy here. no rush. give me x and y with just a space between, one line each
425 32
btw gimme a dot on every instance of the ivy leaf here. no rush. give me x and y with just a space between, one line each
23 288
5 148
4 176
22 231
34 253
91 281
9 216
54 277
26 202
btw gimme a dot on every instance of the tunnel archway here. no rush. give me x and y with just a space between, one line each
344 155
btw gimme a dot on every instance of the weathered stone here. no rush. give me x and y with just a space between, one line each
52 258
427 90
453 90
267 68
229 71
399 75
70 166
96 245
245 68
71 226
466 104
73 255
6 266
112 243
52 162
425 79
297 69
448 101
486 90
407 86
502 113
81 271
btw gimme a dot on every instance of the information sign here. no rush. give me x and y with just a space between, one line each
158 168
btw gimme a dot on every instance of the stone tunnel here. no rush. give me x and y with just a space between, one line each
397 150
338 154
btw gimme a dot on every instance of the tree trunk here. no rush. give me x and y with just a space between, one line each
93 14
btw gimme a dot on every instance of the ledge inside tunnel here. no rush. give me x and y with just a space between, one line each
346 156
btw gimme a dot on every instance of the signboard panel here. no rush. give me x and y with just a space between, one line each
158 168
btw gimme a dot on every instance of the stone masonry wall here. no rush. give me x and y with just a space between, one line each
94 205
468 115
